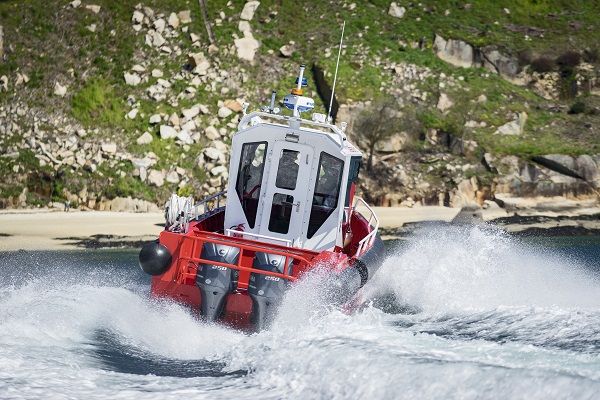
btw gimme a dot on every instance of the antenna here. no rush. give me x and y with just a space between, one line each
337 64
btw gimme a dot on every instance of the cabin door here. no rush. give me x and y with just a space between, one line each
287 194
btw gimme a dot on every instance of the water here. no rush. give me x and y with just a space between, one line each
464 313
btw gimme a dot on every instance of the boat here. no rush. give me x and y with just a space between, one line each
290 208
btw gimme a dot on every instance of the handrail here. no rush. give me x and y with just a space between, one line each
243 247
229 232
195 213
366 242
291 121
179 211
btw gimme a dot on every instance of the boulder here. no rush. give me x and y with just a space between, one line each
224 112
396 11
155 119
212 133
157 39
189 126
589 169
132 79
249 9
174 120
159 25
213 153
121 204
156 178
21 79
514 127
246 47
455 52
137 18
233 105
184 137
499 63
286 50
562 168
167 132
157 73
243 26
185 16
444 102
93 8
466 194
59 90
133 113
219 170
174 21
394 144
145 138
3 83
191 112
109 148
75 3
172 177
145 162
198 63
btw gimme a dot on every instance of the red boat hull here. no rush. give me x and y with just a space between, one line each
178 282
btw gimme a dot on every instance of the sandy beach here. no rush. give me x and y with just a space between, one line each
58 230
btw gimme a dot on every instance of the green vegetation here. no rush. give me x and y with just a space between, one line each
97 103
52 42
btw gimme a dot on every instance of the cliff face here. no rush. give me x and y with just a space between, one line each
102 100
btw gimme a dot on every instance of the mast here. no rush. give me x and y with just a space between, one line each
337 64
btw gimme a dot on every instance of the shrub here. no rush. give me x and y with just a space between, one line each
568 60
591 55
577 108
525 57
98 103
543 64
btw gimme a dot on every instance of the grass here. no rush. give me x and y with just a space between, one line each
97 103
57 46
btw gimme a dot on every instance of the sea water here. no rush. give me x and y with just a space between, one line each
455 312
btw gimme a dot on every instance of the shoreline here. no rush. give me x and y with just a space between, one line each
48 229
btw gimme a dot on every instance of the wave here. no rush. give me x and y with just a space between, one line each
479 268
476 314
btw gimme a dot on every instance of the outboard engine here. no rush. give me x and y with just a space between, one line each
267 291
216 282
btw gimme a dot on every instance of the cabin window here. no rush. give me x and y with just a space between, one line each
249 178
327 190
281 213
287 171
354 170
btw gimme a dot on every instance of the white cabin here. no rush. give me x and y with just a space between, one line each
290 180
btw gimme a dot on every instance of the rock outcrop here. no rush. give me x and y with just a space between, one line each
463 54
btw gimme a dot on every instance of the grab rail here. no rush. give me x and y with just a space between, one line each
294 123
179 211
230 232
244 246
207 209
366 242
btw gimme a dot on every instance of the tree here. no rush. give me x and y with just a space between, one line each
209 32
377 123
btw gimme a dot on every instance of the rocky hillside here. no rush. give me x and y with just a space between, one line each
101 101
